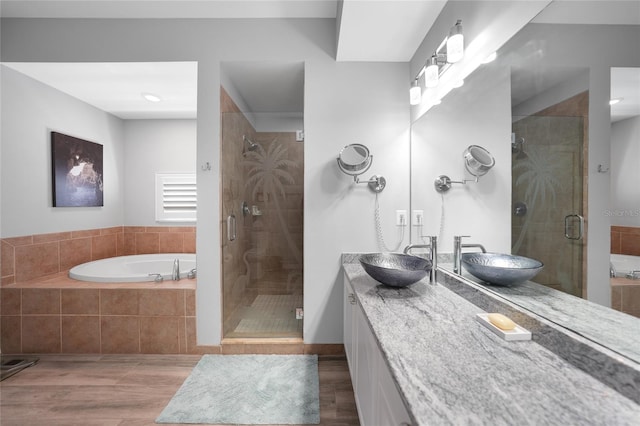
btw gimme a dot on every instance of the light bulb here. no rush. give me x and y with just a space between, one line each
615 101
415 94
455 43
490 58
431 72
151 97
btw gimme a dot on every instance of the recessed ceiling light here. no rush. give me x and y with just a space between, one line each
151 97
615 101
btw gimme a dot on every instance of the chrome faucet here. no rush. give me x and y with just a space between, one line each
457 251
433 255
175 274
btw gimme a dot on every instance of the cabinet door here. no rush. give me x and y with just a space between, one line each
366 371
391 410
349 330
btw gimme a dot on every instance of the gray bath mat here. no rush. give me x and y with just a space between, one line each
248 389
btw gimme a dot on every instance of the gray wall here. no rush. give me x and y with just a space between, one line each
154 146
625 173
30 111
344 103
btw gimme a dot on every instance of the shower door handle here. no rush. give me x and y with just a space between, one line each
231 227
567 226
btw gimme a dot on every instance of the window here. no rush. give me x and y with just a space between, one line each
175 197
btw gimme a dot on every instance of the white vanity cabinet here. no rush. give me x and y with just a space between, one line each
377 398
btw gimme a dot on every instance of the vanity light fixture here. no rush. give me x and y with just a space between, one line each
431 72
415 93
151 97
615 101
455 43
450 51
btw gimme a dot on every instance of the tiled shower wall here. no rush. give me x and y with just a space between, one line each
29 257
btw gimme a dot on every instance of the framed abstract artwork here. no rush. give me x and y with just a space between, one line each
77 172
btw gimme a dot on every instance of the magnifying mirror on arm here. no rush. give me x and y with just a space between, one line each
354 160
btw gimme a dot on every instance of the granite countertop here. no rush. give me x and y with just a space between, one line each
573 313
451 370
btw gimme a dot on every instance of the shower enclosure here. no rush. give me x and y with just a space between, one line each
261 228
549 192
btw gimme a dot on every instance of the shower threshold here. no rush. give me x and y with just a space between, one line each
11 366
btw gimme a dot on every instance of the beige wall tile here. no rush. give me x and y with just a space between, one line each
160 335
36 260
53 237
147 243
161 302
80 301
7 258
10 334
104 246
40 301
10 301
118 302
80 334
41 334
171 242
119 335
74 252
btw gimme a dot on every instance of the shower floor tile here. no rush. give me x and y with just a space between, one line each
270 316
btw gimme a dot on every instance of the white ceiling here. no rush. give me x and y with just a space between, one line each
117 88
369 30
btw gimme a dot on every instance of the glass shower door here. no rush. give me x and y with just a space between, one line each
548 197
262 228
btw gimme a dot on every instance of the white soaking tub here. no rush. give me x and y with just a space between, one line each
135 268
624 264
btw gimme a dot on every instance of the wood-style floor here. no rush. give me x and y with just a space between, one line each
91 390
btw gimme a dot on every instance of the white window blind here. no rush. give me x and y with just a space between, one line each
176 197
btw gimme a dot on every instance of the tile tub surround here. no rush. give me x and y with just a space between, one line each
56 314
33 256
625 240
60 315
625 296
449 369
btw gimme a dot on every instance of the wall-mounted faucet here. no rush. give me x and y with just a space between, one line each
457 251
175 274
433 255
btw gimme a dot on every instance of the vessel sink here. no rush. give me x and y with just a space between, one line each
501 269
395 269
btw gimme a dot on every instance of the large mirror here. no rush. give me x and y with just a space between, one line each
542 108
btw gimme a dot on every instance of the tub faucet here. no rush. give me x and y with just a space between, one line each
433 255
175 275
457 251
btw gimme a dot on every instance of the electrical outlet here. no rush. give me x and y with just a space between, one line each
401 217
299 313
418 217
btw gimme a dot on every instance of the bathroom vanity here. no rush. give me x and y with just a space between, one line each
418 356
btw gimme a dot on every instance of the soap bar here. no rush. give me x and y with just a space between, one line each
502 322
516 333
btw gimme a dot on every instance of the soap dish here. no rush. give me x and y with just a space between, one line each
517 333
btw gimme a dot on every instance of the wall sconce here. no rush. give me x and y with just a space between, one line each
415 93
450 51
477 160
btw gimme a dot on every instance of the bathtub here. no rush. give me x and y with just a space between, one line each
624 264
136 268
